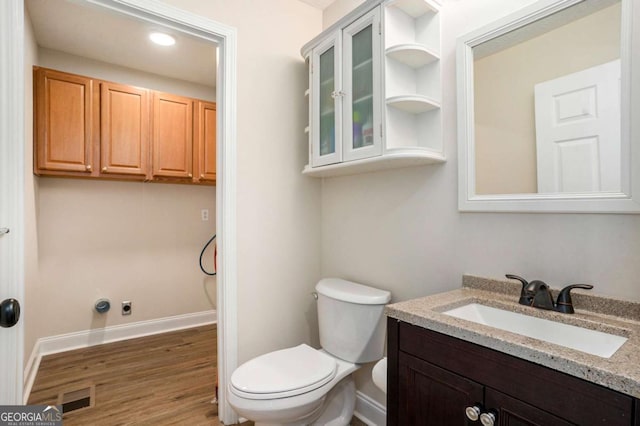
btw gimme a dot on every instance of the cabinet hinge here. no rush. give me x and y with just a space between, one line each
381 135
380 28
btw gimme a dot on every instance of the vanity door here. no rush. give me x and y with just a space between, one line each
430 395
513 412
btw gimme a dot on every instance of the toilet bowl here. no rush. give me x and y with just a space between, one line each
291 386
379 374
306 386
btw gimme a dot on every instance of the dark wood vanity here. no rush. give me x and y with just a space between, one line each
433 378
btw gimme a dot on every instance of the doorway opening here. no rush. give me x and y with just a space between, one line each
205 31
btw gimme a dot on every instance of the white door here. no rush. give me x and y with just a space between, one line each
11 194
578 131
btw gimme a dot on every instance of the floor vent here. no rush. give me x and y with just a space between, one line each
77 399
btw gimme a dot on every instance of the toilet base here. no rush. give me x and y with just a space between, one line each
336 410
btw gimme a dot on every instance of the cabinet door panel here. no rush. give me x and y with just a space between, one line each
124 135
205 159
512 412
326 104
363 88
430 395
172 136
63 122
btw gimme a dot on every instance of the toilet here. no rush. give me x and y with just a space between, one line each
306 386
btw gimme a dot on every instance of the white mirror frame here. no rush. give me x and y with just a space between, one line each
626 201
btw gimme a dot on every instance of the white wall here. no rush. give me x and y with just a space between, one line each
278 209
401 230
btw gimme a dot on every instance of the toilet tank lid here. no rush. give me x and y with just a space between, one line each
351 292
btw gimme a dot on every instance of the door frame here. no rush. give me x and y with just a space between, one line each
12 168
12 126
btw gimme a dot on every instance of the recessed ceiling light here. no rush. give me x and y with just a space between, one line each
162 39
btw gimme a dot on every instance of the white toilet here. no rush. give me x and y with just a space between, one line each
307 386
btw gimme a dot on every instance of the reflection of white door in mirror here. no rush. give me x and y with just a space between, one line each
578 131
498 66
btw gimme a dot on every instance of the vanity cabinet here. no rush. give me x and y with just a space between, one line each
374 90
432 379
89 128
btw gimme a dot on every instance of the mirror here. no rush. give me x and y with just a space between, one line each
544 98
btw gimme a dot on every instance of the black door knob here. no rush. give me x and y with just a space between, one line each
9 313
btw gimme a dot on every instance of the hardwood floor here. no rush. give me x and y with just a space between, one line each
164 379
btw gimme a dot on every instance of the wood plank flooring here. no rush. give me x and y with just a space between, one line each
166 379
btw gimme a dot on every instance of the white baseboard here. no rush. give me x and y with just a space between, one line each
84 339
370 411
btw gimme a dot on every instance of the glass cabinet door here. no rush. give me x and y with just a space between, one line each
326 104
346 92
362 87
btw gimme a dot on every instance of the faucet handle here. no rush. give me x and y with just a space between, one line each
564 303
526 297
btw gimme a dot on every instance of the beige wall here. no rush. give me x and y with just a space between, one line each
337 10
123 241
31 277
120 240
278 209
91 68
401 229
504 99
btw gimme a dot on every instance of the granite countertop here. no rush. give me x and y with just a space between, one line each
620 372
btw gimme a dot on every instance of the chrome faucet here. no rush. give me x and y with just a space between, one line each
538 294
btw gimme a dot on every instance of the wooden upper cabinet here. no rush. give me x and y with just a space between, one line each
91 128
172 140
205 148
124 130
64 123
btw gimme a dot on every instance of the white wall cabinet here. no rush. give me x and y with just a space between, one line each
375 90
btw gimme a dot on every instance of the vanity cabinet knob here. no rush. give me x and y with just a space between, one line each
473 413
488 418
190 175
202 176
104 169
88 167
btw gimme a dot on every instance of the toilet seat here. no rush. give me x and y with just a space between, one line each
284 373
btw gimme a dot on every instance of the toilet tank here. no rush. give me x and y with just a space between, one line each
351 320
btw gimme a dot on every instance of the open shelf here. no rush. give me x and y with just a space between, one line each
416 8
414 104
413 55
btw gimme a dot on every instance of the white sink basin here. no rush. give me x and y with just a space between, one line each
590 341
